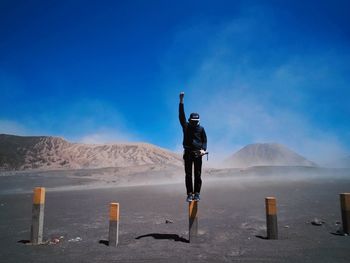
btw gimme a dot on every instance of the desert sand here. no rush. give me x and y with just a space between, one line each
231 216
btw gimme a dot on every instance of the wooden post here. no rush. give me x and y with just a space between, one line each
113 224
36 231
345 211
193 221
271 218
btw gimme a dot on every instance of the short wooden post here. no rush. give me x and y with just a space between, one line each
113 224
193 221
345 211
271 218
36 231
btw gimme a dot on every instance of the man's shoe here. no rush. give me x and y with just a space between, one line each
197 197
189 198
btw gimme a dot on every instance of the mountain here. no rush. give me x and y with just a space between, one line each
45 152
266 154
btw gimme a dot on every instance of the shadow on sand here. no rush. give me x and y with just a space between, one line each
339 233
261 237
104 242
23 241
174 237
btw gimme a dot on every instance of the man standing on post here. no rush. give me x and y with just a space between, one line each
195 146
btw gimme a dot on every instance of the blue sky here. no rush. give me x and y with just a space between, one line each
106 71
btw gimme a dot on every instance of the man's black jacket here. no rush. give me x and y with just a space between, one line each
194 136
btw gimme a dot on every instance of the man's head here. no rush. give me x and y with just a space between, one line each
194 119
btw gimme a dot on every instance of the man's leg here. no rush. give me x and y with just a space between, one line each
188 171
197 174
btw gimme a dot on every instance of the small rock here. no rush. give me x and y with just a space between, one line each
77 239
317 222
54 241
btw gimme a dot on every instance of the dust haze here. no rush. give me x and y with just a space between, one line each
243 100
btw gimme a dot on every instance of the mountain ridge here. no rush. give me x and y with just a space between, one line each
266 154
48 152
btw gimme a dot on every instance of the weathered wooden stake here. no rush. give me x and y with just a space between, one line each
271 218
36 231
113 224
193 221
345 211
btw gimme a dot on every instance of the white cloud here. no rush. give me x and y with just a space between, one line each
107 136
86 120
12 127
241 114
242 101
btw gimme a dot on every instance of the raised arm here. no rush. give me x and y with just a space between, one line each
182 116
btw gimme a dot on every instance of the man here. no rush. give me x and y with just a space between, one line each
195 146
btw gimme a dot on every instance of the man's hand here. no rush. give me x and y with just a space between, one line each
203 152
182 95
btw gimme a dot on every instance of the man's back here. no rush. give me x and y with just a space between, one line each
194 134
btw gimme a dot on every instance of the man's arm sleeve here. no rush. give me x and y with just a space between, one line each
182 117
204 138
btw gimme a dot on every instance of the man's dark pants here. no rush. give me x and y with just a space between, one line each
191 159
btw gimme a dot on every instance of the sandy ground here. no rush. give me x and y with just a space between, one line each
231 218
